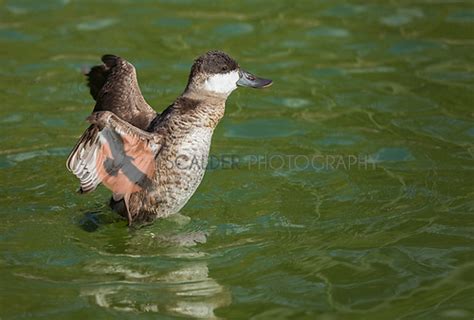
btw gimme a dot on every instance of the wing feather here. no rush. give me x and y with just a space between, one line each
115 88
114 153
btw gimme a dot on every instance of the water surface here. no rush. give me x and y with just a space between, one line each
389 84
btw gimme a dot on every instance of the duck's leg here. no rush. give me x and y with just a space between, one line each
122 206
126 200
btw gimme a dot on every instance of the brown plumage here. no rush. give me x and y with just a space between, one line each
152 162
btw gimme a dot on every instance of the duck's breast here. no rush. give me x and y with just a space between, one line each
182 166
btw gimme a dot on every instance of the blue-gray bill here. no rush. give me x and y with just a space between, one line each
249 80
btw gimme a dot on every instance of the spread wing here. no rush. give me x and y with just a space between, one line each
115 88
116 154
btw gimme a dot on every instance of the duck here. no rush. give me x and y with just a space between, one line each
153 162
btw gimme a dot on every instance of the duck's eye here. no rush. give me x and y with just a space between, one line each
224 68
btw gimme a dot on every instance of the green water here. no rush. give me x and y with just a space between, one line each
388 84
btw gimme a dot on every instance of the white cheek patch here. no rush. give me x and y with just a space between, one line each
222 83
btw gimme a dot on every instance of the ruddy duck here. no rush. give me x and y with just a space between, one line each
147 159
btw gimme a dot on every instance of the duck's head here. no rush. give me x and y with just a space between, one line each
217 73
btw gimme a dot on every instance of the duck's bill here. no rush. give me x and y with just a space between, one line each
249 80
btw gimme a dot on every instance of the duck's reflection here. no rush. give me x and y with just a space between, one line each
174 282
197 294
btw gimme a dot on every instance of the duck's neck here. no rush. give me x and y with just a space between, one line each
207 105
200 93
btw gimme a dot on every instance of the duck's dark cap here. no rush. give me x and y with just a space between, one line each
214 62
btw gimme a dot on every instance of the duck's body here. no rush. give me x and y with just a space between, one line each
181 163
153 163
